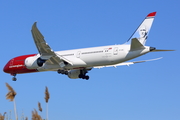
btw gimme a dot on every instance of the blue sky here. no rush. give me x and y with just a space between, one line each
146 91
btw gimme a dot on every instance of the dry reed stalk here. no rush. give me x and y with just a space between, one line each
39 106
2 117
11 96
47 95
35 115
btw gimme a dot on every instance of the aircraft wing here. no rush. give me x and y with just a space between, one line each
127 63
44 49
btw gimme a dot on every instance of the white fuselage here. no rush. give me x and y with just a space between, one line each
96 56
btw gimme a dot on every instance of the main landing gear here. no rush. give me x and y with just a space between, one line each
83 75
74 74
14 78
62 72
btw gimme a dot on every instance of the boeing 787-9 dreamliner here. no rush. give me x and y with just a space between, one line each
77 62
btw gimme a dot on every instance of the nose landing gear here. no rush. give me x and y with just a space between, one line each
14 78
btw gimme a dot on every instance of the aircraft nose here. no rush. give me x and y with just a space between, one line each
6 68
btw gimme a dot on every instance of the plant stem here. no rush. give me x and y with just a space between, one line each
15 109
46 111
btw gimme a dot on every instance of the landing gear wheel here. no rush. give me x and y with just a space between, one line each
84 77
14 78
87 77
62 72
81 76
59 71
66 73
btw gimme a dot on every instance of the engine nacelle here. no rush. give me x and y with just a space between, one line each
74 74
34 62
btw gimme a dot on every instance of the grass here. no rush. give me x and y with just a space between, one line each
35 116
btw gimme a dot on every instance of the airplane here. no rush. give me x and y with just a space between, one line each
77 63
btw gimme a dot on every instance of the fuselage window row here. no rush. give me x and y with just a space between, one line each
92 52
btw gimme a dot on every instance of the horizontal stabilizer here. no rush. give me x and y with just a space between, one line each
158 50
135 44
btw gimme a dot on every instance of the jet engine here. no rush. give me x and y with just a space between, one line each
74 74
34 62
